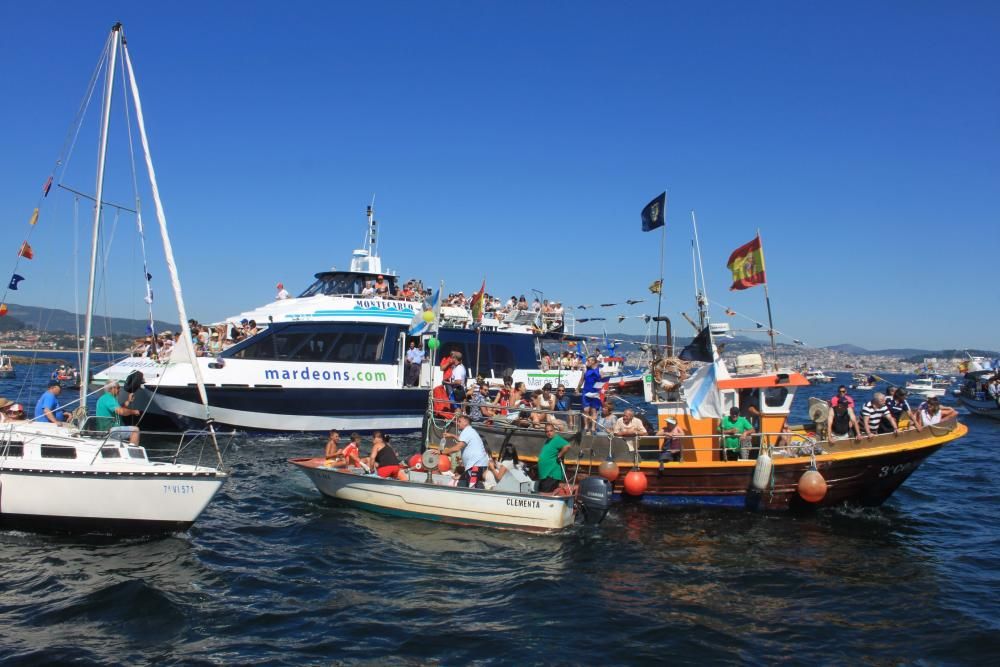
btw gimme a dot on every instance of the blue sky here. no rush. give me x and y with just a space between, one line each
518 141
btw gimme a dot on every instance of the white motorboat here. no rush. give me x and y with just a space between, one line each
511 504
927 387
57 476
817 377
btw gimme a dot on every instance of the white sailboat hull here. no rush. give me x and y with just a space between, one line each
108 500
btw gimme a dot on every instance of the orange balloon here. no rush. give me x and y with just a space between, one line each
608 470
636 483
812 486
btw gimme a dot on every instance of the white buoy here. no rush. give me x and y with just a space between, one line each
762 472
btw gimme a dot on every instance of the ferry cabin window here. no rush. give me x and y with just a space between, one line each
12 450
58 452
350 343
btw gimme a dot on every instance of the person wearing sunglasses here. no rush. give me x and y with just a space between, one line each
842 395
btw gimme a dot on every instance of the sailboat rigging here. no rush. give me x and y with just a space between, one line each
69 476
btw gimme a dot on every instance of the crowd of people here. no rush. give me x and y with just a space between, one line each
889 412
208 339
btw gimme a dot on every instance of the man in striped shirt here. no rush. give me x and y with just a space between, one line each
873 413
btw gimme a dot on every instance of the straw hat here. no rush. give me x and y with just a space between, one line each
4 402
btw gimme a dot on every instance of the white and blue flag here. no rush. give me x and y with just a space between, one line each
418 326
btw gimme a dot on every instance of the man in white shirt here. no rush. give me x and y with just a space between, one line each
282 292
627 425
475 460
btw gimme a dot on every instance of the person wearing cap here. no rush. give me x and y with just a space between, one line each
109 413
282 292
381 286
670 445
550 468
736 431
898 406
47 409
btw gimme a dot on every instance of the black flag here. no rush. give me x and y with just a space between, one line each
653 214
700 349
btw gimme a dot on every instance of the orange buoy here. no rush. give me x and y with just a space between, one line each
444 464
417 462
635 483
812 486
608 470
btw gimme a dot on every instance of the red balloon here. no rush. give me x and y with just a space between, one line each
444 463
608 470
635 483
812 486
417 462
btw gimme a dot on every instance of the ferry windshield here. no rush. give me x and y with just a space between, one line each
333 284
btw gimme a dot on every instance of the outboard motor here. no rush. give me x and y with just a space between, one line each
595 499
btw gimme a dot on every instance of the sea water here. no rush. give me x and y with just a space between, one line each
273 572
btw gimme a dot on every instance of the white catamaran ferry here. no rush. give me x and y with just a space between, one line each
334 357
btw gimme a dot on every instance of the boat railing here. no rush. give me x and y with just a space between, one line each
795 444
189 446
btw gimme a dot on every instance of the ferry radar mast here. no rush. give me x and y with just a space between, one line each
365 259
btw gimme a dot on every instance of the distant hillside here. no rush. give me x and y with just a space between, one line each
52 320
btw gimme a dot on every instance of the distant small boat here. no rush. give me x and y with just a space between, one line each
7 371
863 382
818 377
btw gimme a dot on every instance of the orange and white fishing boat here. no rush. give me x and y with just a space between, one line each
784 467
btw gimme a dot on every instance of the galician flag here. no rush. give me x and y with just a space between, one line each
747 265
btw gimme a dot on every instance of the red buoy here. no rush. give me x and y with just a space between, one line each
635 483
444 463
608 470
416 462
812 486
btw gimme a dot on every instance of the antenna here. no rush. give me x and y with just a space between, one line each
701 294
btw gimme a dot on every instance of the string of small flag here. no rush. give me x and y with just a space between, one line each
25 251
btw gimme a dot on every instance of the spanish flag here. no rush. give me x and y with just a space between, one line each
477 303
747 265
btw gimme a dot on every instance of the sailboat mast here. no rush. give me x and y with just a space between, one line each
102 152
168 251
